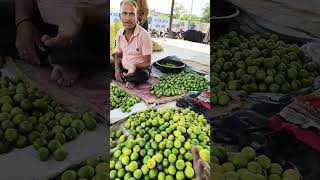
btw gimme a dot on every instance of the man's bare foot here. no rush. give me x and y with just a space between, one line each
129 85
64 76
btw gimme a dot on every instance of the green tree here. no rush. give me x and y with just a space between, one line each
187 17
205 15
178 11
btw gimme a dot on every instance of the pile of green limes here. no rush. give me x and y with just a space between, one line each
95 168
247 165
120 99
158 145
259 62
176 84
28 116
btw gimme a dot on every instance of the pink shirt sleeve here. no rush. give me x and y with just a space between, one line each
118 49
146 45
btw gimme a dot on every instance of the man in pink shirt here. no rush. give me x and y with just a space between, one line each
133 48
70 34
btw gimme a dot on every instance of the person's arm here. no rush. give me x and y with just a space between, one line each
27 35
97 14
145 11
117 61
24 10
146 52
146 62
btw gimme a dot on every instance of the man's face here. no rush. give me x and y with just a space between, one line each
128 16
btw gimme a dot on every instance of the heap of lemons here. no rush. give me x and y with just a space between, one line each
158 146
95 168
30 117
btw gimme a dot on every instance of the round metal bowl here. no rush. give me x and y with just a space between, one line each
179 66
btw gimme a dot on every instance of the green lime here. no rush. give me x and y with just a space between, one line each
205 155
180 164
165 163
144 169
130 143
151 163
25 127
70 133
167 152
43 154
136 148
93 161
122 138
38 143
137 174
90 124
143 152
145 159
53 145
78 125
172 158
169 145
15 111
172 170
158 138
112 164
180 175
150 152
188 164
188 156
59 154
11 135
134 156
118 165
69 175
177 143
6 108
113 174
133 165
169 177
154 145
86 172
66 121
153 173
21 142
126 151
60 137
127 176
175 151
158 157
125 160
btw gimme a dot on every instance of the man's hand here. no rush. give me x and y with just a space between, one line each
27 39
202 169
118 75
68 30
131 69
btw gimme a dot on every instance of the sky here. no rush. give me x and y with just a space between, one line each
164 6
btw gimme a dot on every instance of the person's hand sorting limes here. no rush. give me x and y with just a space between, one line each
201 161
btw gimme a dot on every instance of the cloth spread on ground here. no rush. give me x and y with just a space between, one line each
308 137
143 91
88 93
203 99
291 18
304 111
236 103
79 150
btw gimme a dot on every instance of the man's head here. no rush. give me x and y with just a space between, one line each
128 14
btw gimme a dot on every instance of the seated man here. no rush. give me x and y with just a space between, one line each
133 48
73 34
